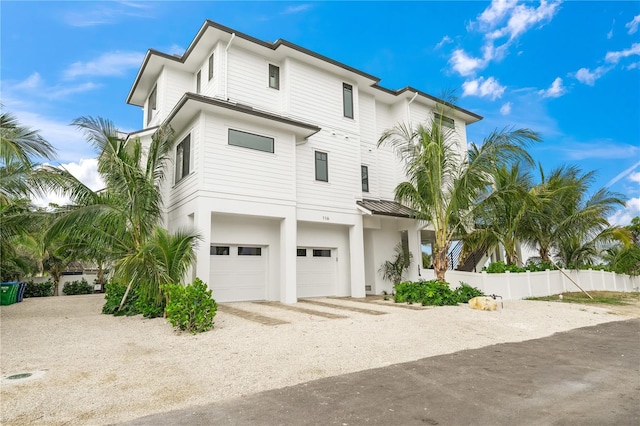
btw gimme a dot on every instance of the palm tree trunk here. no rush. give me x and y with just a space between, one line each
126 293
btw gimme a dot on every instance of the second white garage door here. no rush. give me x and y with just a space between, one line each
238 273
316 272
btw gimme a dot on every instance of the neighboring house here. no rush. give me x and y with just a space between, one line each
277 165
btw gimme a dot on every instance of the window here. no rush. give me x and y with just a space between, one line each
444 121
302 252
251 141
347 100
198 79
274 77
151 105
210 67
249 251
364 171
321 253
183 154
220 250
322 172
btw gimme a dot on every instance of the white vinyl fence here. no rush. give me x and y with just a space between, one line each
512 285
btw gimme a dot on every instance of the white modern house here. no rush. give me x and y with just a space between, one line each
277 165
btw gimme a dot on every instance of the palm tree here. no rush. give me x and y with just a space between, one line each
444 186
499 219
124 218
565 215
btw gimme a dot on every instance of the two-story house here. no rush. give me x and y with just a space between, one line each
276 164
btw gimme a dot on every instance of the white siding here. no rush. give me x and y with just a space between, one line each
249 80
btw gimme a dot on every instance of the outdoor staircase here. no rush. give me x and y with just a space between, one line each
470 261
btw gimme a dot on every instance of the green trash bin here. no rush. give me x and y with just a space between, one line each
9 293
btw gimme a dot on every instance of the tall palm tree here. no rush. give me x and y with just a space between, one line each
445 184
124 218
565 214
499 220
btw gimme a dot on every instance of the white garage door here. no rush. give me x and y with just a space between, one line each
238 273
316 272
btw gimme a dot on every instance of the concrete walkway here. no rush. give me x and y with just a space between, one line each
586 376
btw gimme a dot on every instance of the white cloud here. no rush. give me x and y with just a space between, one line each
489 88
505 109
633 65
85 170
297 9
633 24
92 13
614 57
503 20
445 40
108 64
35 87
601 149
555 90
610 34
588 77
464 64
634 177
623 217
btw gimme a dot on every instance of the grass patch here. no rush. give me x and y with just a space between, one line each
599 298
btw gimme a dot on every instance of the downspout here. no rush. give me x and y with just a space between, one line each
226 67
415 95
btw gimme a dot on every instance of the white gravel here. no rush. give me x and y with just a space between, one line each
91 368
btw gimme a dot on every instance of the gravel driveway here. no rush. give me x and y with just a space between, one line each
89 368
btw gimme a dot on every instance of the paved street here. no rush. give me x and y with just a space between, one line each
587 376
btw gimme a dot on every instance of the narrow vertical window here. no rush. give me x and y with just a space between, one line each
210 67
151 105
198 78
183 158
274 77
364 171
322 170
347 100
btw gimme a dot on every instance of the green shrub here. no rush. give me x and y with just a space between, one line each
150 308
77 287
38 289
465 292
113 293
540 266
500 267
190 308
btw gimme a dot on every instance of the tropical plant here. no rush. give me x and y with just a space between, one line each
190 308
445 185
392 270
123 220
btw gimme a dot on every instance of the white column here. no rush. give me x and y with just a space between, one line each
416 251
202 219
288 246
356 249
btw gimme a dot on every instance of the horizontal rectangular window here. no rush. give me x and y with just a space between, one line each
444 121
220 250
302 252
249 251
251 141
321 253
322 166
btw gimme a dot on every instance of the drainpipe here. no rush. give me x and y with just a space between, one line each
226 67
415 95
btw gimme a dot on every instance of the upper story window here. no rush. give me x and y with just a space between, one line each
198 81
274 77
210 67
152 105
444 121
364 172
347 100
183 158
322 166
251 141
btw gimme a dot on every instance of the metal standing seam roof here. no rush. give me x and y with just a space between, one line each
386 208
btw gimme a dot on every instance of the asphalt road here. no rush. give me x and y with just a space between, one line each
587 376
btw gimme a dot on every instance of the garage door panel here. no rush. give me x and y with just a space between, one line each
316 276
238 278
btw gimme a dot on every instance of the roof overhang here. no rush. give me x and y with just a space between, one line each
191 104
384 208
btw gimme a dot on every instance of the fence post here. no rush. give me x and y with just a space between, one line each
529 283
548 282
508 284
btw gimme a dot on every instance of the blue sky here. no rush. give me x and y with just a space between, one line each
569 70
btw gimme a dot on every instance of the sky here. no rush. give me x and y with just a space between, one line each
568 70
